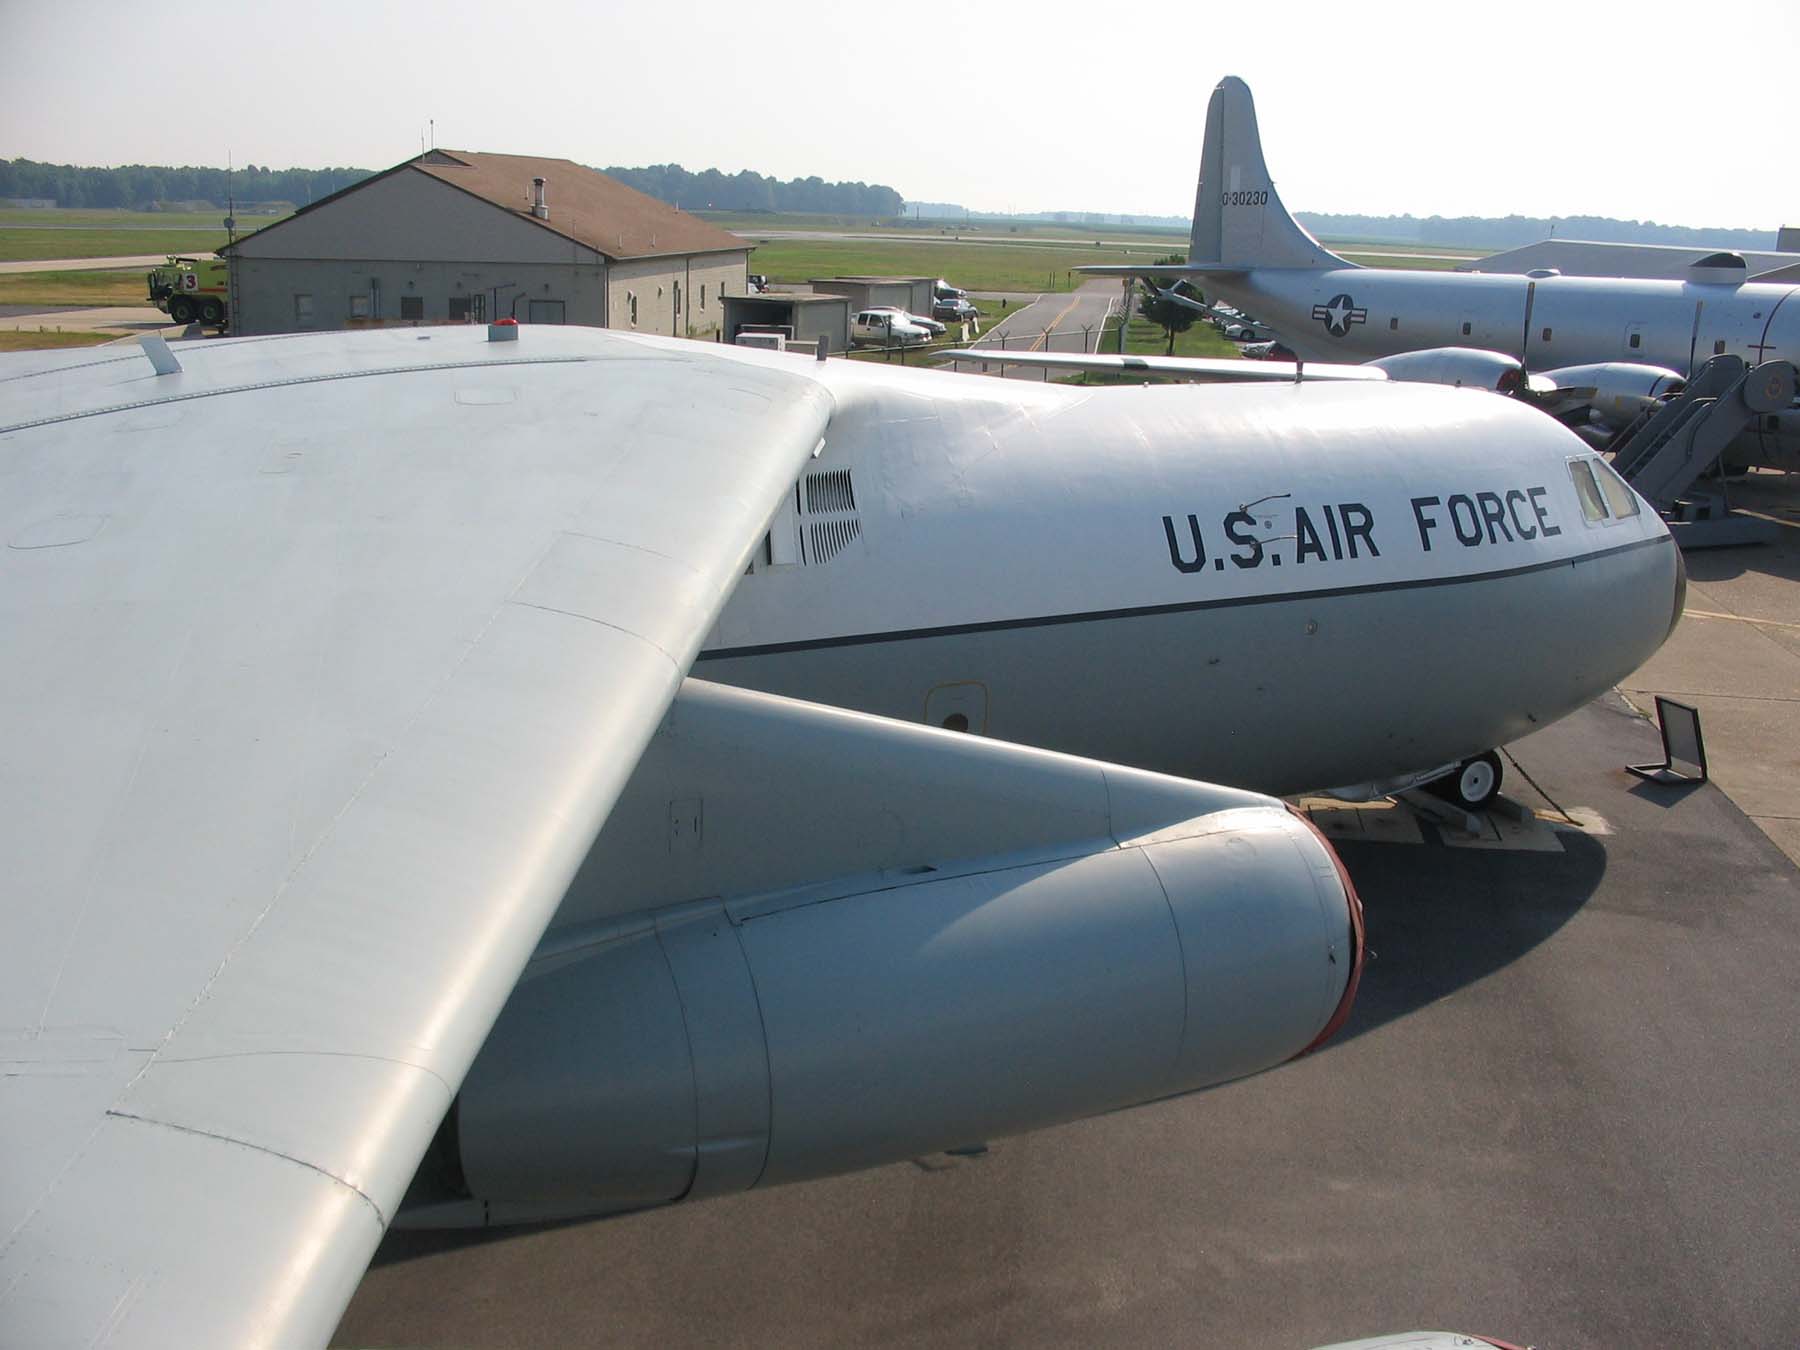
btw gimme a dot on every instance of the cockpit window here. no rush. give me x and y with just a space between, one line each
1593 506
1620 498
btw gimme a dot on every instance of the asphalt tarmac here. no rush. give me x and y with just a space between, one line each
1057 321
1566 1112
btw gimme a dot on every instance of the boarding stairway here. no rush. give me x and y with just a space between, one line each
1665 451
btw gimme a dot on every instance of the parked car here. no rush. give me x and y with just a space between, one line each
758 283
954 309
931 326
943 290
885 328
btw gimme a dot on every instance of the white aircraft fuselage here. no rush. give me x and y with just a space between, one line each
1282 588
1359 313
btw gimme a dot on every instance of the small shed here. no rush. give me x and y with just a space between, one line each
912 294
805 318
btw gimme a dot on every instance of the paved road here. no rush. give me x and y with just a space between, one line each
85 264
112 318
1072 319
1566 1112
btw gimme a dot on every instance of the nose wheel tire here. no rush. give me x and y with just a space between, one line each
1474 783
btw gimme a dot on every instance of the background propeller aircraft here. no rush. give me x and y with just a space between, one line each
1626 339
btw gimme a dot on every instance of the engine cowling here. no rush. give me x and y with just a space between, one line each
713 1047
1459 367
1614 392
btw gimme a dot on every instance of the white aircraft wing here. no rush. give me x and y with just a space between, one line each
326 658
1214 368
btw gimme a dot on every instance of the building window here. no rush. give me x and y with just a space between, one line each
544 311
1394 324
1637 340
468 308
412 306
1546 335
703 295
1466 327
302 310
359 306
1719 347
631 300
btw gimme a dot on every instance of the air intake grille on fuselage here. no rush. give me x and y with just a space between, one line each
830 536
829 491
828 499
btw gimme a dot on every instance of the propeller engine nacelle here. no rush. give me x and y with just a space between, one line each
1612 392
1461 367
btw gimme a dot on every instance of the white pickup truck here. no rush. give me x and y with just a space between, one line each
887 328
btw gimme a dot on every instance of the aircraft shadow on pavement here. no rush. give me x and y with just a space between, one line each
1438 919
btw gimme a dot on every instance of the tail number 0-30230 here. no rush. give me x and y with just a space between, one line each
1245 198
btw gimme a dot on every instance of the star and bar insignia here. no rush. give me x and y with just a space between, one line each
1339 314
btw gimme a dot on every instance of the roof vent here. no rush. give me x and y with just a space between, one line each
539 206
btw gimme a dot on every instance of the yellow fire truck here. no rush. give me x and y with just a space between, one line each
192 290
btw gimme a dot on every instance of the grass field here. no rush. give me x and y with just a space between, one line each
24 245
981 267
1341 244
34 342
1404 260
73 288
749 223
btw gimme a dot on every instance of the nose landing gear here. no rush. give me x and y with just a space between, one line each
1473 784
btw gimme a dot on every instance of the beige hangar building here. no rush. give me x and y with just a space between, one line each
455 236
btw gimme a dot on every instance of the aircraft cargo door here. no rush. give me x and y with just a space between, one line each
958 706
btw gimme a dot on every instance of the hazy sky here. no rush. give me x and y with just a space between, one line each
1643 110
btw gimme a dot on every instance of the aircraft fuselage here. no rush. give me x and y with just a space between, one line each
1357 314
1280 588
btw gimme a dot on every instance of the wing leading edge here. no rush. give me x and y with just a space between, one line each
1220 369
331 657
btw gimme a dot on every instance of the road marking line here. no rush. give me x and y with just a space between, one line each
1737 618
1058 319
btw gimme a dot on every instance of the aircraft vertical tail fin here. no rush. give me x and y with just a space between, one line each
1239 220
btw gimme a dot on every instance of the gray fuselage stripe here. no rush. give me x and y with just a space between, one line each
1179 607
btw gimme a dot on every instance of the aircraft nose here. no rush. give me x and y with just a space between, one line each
1680 591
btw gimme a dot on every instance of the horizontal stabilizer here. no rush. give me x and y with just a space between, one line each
1207 368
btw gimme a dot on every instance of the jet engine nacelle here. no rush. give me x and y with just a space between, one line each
1614 392
1456 366
712 1047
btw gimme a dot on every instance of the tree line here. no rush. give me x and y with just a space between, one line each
145 187
711 190
1511 231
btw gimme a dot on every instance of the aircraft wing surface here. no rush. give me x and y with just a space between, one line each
327 657
1214 368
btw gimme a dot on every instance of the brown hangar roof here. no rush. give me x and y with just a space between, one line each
585 206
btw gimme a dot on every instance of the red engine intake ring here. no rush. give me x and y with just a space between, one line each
1357 940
